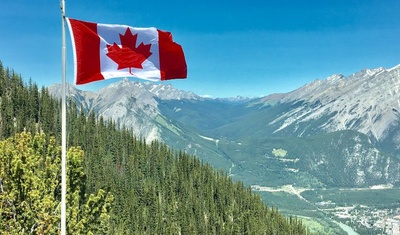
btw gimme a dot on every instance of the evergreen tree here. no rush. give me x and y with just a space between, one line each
30 189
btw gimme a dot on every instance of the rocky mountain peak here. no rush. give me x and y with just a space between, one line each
132 104
335 78
365 101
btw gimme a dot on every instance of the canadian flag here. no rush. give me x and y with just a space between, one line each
103 51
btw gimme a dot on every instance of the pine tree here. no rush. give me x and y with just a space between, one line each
30 189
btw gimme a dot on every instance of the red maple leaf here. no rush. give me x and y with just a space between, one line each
128 55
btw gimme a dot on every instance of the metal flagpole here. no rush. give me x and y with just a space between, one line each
64 127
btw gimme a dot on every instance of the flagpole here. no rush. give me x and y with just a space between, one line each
63 126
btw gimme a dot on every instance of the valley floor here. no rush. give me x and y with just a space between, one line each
373 210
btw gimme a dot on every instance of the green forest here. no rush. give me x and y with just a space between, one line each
117 184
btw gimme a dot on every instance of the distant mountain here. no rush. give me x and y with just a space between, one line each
362 107
341 131
130 104
367 101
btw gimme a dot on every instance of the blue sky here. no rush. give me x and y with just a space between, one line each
249 48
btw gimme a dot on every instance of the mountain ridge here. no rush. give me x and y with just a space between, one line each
352 98
224 131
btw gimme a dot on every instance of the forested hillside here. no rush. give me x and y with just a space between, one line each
155 190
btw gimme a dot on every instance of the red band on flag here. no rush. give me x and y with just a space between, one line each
87 44
172 59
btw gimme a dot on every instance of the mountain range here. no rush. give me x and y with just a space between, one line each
342 131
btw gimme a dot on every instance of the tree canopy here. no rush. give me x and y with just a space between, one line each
30 189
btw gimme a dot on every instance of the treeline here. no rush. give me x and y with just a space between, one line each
155 190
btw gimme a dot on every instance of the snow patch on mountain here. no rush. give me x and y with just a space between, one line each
367 101
131 104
